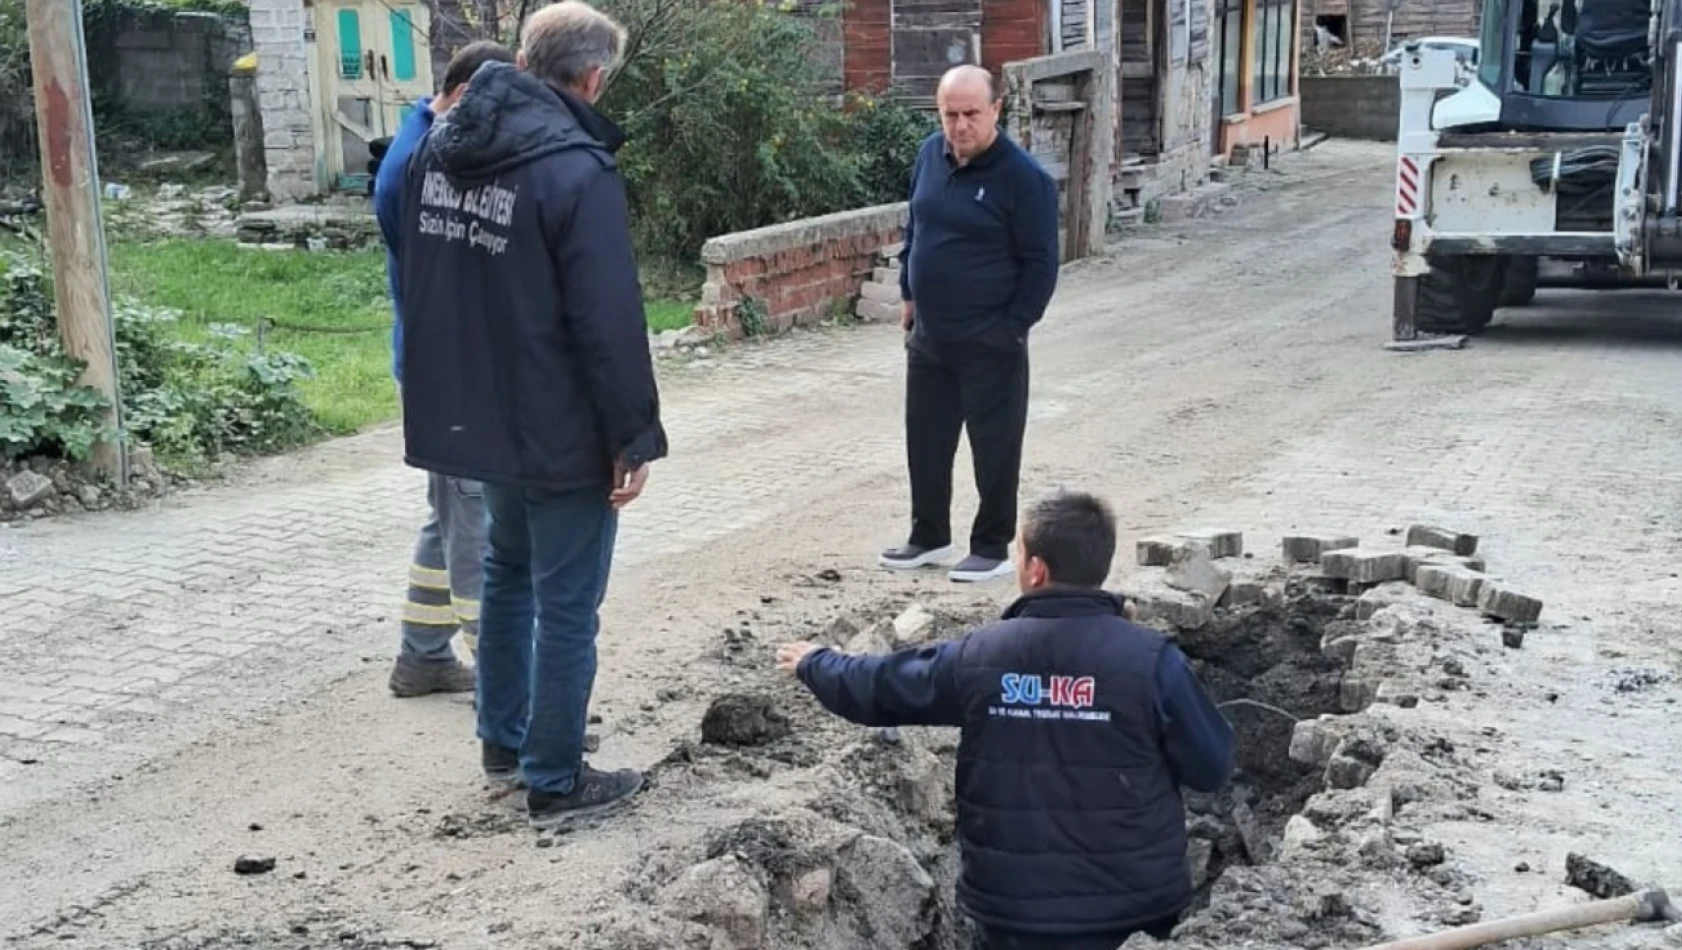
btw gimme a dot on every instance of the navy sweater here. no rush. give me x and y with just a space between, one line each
981 253
1078 729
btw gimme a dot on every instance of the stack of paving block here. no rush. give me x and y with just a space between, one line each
879 300
1443 564
1202 570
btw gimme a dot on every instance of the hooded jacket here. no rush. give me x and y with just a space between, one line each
525 349
1078 729
388 209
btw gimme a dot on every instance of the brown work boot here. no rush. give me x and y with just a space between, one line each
412 677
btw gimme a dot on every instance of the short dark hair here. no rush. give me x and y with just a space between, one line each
469 58
1074 534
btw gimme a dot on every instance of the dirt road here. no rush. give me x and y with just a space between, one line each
206 680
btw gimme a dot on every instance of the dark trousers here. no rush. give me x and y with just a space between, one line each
951 388
990 939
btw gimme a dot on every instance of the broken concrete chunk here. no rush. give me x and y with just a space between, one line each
1385 595
903 915
1495 600
1308 548
1300 835
1199 853
1346 771
809 893
1597 879
1421 535
1313 741
727 897
1363 565
1194 572
916 625
1158 551
1356 693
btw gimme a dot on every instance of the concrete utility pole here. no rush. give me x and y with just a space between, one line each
70 186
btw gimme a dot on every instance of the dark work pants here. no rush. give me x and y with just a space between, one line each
990 939
982 389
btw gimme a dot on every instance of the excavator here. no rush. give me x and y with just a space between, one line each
1551 162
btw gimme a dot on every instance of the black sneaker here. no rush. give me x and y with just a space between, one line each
593 794
979 570
502 766
910 557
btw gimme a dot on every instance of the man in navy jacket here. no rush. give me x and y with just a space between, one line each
978 268
1078 730
446 574
526 352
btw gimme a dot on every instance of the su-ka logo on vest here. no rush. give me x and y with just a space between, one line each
1031 689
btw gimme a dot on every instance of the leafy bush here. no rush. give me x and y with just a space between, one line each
191 401
731 126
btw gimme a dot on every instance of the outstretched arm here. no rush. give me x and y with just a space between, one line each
914 687
1196 738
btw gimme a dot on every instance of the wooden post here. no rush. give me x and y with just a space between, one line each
70 186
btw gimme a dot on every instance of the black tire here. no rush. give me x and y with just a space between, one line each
1459 294
1518 283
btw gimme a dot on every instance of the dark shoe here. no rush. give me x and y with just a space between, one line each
502 766
979 570
593 794
412 677
910 557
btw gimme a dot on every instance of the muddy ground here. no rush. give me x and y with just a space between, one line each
1220 372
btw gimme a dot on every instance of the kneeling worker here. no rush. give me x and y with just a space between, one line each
1079 727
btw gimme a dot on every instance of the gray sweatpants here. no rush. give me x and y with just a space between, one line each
448 570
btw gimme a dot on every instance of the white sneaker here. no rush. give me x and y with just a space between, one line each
979 570
911 558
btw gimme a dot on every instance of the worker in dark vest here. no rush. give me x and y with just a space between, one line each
978 267
1078 729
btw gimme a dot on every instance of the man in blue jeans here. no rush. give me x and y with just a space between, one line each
527 351
447 571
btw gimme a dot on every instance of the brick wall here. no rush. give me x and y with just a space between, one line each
866 55
802 272
283 94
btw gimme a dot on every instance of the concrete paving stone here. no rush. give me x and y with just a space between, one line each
1498 601
1220 543
1193 571
1424 535
1364 565
1307 548
1464 586
1158 550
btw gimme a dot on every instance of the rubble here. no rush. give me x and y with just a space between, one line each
40 487
743 720
1597 879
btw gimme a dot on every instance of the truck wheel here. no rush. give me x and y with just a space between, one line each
1458 295
1518 283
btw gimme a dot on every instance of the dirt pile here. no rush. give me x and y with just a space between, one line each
846 840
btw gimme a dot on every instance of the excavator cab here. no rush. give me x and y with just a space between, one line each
1558 66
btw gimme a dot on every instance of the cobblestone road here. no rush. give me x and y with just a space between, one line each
1228 371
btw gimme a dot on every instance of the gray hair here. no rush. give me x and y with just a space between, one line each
565 42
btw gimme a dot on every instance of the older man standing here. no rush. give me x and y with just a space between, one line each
978 269
528 353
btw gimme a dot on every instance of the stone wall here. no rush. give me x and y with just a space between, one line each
1355 107
796 273
283 93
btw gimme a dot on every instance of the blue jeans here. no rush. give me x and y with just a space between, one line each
546 569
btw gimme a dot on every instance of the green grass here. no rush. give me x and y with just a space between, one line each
329 307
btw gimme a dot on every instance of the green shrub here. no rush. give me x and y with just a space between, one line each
191 401
731 125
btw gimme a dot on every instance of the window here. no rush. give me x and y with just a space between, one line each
1229 19
1274 36
350 45
1492 42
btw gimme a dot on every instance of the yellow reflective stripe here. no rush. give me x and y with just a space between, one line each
429 577
466 610
432 616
